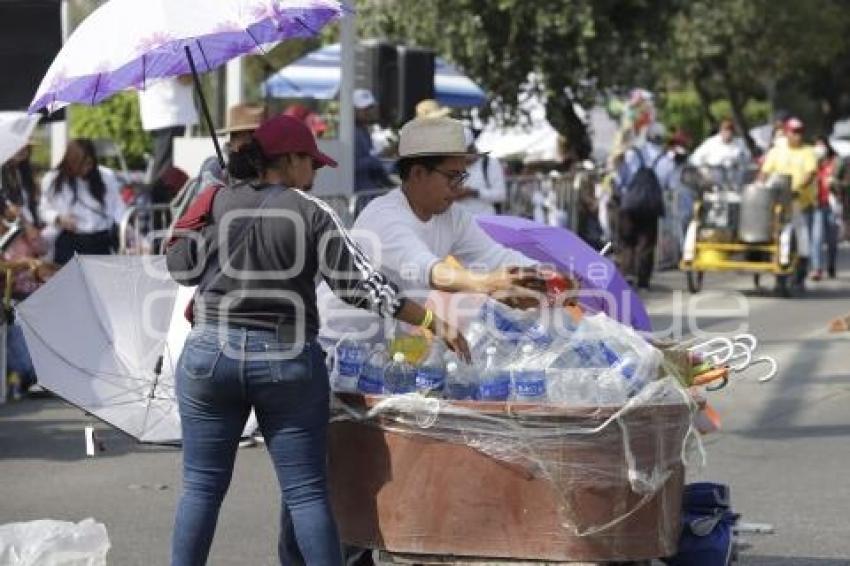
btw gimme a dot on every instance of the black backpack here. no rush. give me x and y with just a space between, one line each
644 195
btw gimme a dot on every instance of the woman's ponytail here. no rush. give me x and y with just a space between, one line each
248 162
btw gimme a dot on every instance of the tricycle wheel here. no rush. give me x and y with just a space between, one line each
695 281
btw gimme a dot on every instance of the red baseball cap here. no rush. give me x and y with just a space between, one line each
287 134
794 125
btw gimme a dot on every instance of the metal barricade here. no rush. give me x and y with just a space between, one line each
143 229
550 199
349 205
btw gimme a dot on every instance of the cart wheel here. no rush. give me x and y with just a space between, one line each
783 286
695 281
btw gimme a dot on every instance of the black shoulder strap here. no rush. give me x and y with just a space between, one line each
657 159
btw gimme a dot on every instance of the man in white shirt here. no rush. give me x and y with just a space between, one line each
412 231
167 107
485 187
724 153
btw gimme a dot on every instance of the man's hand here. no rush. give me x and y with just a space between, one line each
517 287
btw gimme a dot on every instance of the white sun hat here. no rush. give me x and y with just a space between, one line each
433 136
363 98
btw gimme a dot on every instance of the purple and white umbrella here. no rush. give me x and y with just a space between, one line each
604 289
128 43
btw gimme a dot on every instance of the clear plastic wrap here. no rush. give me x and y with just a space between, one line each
54 543
573 482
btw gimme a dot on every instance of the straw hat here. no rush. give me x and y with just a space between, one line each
433 136
430 108
243 118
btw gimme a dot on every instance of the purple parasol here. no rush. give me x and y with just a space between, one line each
608 291
128 43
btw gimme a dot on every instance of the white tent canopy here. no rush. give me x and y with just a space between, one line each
534 139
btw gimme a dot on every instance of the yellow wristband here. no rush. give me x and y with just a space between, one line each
427 319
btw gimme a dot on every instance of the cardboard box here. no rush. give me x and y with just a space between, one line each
571 499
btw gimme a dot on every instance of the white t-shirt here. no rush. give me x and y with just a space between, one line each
405 248
167 104
714 152
491 189
91 215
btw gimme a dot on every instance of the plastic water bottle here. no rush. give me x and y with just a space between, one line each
479 337
372 377
431 373
350 358
499 317
515 326
626 366
460 383
399 376
529 377
495 381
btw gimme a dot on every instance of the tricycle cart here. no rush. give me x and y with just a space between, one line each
748 230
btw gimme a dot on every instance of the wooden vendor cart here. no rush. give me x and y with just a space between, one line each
576 484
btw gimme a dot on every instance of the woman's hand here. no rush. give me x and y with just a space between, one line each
452 338
67 222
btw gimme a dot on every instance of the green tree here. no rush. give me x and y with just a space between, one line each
574 49
741 50
116 118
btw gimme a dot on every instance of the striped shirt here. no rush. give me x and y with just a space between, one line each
267 268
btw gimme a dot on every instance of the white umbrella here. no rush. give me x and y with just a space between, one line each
15 131
129 43
100 330
105 334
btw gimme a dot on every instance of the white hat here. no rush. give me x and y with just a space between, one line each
363 98
433 136
656 131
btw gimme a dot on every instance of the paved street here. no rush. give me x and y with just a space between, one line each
784 447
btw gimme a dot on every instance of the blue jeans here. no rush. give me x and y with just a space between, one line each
824 231
221 375
18 355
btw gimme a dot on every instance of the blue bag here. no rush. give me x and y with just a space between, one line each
708 524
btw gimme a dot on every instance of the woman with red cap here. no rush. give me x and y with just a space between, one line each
264 241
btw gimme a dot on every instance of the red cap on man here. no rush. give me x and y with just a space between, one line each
794 125
287 134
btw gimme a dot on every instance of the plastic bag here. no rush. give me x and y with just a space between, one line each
54 543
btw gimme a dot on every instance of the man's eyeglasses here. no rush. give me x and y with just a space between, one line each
456 178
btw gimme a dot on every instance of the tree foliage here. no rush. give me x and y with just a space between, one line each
573 49
116 118
740 50
743 52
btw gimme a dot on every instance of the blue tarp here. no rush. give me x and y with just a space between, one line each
316 75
